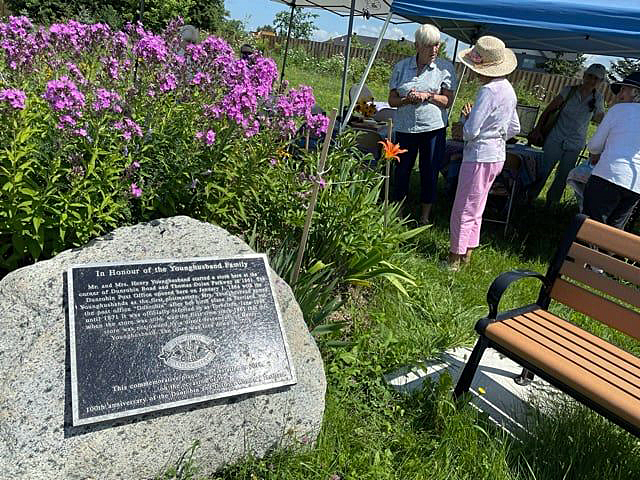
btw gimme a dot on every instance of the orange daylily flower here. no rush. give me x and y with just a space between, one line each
391 150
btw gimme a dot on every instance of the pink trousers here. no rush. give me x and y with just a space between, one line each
474 182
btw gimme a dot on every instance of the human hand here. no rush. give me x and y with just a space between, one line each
419 97
466 109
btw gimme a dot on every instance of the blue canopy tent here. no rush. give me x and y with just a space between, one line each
602 27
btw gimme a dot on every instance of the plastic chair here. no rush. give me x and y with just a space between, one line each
367 142
384 114
506 186
527 116
365 94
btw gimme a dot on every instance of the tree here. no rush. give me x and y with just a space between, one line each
442 51
302 25
399 46
266 28
622 68
209 15
568 68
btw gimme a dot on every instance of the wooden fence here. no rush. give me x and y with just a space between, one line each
551 84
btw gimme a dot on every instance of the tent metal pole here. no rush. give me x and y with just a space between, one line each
286 47
455 52
366 72
455 96
347 54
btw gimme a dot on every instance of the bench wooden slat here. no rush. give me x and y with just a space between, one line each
618 268
602 309
578 348
612 239
626 358
601 282
623 405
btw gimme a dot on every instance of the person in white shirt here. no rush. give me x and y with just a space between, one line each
613 189
488 125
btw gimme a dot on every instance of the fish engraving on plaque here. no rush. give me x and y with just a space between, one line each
188 352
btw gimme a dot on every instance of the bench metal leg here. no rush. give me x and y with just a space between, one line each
464 382
525 377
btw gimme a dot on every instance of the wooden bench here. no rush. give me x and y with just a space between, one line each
595 271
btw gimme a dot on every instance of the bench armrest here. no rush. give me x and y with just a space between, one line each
502 282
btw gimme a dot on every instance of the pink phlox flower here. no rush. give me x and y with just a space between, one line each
120 42
112 66
297 102
14 97
168 82
75 71
128 128
71 35
318 124
63 95
19 44
135 190
196 53
66 121
152 48
216 46
107 100
208 137
201 78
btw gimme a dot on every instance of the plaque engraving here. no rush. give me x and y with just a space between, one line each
157 334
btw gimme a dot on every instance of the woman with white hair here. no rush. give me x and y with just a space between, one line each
422 89
613 189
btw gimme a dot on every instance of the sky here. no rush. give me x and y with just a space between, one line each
255 13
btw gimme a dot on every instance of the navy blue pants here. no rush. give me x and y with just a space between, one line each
606 202
431 146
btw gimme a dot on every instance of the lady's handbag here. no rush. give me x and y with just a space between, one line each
547 126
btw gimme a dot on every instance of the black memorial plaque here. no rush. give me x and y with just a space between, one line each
151 335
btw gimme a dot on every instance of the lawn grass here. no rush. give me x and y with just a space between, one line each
373 432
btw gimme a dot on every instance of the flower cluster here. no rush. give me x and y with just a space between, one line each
107 100
93 78
128 128
14 97
366 108
207 137
63 95
65 98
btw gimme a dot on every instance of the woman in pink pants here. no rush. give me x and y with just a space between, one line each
487 126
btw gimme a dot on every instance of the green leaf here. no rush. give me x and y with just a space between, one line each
34 248
328 328
316 267
348 358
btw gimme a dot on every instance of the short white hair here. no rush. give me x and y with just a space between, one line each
189 33
427 35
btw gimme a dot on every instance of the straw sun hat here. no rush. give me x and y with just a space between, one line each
489 57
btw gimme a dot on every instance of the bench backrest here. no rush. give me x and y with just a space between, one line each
598 274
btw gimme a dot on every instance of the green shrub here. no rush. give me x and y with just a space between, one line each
207 15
